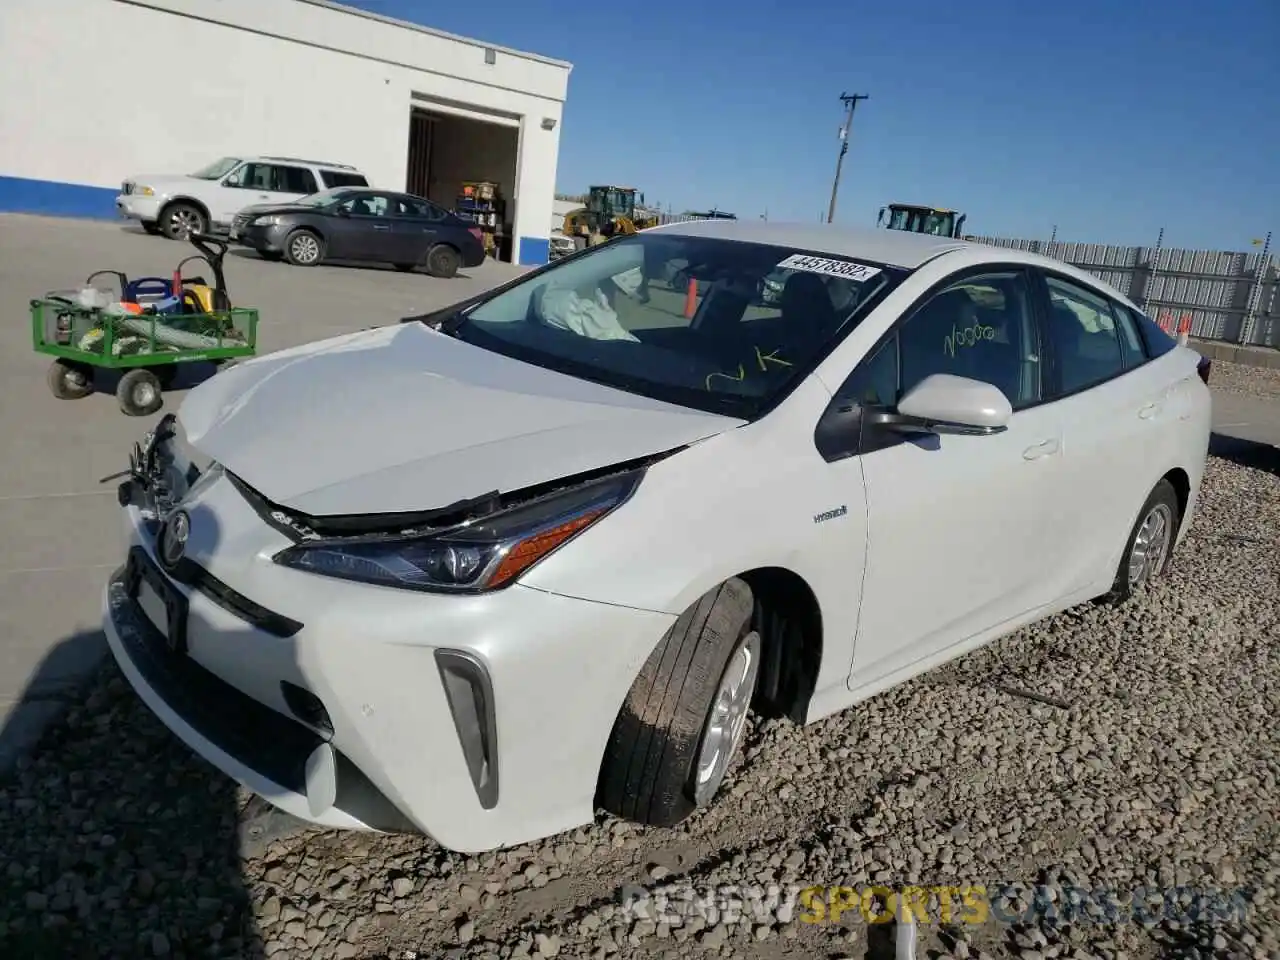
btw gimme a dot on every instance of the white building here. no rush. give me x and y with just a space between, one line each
93 91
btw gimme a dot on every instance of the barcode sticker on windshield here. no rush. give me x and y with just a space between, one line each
831 268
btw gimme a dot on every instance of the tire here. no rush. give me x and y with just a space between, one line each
303 248
139 393
151 227
179 220
443 261
69 380
1140 564
650 772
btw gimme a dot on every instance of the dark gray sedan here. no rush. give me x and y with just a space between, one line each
357 224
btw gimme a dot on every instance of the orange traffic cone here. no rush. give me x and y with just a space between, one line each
691 299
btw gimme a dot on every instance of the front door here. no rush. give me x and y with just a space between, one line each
960 528
365 232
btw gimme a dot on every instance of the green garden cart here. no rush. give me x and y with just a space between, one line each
145 330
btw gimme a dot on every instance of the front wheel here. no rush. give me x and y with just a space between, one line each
1146 554
303 248
180 220
684 718
139 393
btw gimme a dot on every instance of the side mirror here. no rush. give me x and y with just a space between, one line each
233 180
942 403
341 211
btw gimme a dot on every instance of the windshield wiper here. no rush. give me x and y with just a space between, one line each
446 321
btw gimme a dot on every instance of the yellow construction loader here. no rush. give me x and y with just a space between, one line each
610 212
916 218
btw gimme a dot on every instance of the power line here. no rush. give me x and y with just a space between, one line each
850 101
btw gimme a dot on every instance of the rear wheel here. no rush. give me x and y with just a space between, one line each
69 380
683 720
303 248
443 261
139 393
1146 554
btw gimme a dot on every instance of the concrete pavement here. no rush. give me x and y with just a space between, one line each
58 525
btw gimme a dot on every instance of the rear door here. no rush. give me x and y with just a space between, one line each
415 228
1113 401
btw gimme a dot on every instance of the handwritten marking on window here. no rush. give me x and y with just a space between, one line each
766 358
967 337
742 375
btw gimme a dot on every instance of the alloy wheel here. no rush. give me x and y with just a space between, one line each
1151 545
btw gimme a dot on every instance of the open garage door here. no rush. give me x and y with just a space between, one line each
467 165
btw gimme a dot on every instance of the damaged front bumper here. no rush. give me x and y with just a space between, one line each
357 706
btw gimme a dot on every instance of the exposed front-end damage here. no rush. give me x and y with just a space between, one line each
353 705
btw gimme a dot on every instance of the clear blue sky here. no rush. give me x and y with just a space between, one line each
1108 118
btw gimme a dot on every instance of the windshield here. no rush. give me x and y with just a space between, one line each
217 169
718 325
325 198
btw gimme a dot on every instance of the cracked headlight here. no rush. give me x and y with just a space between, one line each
485 554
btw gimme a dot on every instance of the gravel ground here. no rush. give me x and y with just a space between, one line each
1150 760
1253 381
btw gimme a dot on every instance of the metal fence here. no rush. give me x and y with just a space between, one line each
1213 295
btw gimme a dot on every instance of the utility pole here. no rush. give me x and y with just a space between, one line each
850 101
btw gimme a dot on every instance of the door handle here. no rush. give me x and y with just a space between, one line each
380 227
1149 411
1044 448
263 196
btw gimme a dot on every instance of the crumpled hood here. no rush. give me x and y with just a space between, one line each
403 419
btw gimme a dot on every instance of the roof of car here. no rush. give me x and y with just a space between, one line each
897 248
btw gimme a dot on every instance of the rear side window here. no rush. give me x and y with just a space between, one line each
295 180
335 178
1135 352
1157 342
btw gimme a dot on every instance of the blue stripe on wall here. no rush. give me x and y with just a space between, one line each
48 197
534 251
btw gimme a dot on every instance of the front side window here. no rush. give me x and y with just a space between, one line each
368 205
254 176
689 320
1082 329
980 327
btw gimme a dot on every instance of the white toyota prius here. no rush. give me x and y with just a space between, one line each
482 572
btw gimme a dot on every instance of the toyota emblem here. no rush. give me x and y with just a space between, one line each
173 538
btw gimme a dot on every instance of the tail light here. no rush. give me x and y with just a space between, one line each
475 232
1203 368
